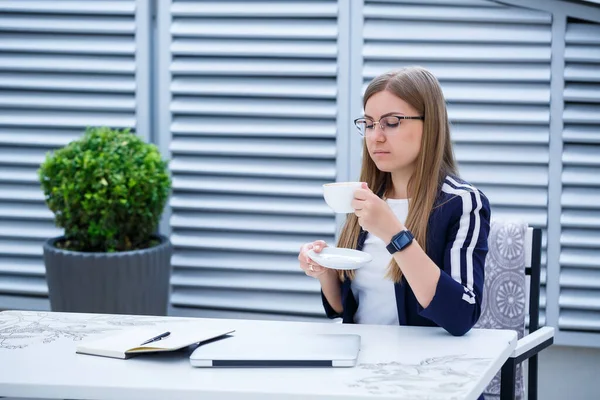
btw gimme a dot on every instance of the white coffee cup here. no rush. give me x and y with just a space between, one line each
339 195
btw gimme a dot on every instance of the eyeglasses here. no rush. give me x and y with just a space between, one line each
366 126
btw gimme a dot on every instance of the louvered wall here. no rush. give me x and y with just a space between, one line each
253 138
579 299
493 62
63 65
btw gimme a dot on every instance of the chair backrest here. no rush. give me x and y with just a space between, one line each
514 252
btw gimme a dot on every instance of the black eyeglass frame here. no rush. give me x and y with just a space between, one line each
400 117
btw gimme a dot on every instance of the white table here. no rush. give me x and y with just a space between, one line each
38 359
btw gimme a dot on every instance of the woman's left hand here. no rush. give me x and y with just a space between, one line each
374 214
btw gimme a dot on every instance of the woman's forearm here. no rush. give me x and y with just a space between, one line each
421 273
330 284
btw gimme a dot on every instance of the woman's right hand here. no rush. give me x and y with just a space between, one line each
308 265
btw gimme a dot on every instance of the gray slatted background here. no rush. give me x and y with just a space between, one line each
63 65
253 125
493 62
579 299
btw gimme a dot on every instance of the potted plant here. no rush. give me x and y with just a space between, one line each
108 191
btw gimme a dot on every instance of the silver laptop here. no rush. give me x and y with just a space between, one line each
272 350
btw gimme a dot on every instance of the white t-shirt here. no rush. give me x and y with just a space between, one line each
375 294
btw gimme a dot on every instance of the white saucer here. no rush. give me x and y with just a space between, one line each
340 258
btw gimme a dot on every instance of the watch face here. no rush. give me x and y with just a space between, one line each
402 239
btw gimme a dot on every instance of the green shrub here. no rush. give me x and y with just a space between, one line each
107 189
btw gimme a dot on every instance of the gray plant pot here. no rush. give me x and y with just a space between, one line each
131 282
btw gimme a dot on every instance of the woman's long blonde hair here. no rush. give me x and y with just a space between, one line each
419 88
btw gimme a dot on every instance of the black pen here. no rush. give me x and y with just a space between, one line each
155 338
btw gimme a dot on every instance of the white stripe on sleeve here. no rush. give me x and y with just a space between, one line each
476 230
463 230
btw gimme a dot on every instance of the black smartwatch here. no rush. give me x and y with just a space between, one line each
400 241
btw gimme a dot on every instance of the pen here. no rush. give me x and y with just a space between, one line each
155 338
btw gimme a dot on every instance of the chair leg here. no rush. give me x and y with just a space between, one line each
532 378
507 380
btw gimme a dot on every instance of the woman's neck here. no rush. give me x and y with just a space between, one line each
399 189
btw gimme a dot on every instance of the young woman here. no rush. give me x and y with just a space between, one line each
426 229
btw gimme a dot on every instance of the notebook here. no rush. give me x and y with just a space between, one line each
128 343
271 350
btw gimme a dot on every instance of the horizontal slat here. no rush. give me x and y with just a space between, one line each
456 52
463 71
501 154
254 107
581 198
281 168
582 73
580 238
22 266
257 87
65 119
454 3
583 93
20 247
20 285
509 134
249 186
285 148
67 63
68 101
69 7
522 197
71 82
581 134
16 302
297 9
253 67
189 312
253 243
316 29
46 138
582 33
455 31
254 48
67 24
499 174
255 127
10 173
580 218
579 320
73 44
212 259
254 204
242 280
21 157
25 193
25 211
580 278
498 114
580 299
254 223
535 217
27 229
580 258
581 155
289 303
496 93
441 13
581 176
582 54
